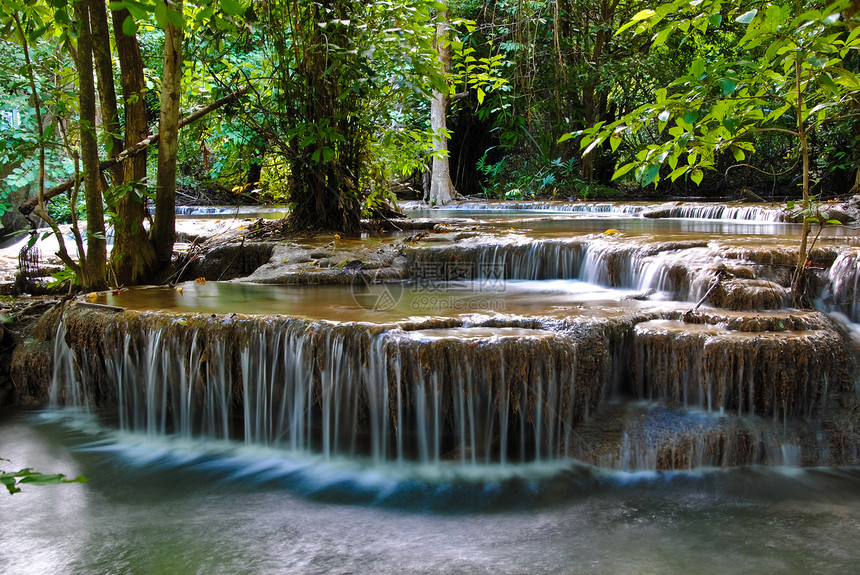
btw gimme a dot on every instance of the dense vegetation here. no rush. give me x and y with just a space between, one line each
325 104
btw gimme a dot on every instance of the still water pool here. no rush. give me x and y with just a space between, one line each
166 508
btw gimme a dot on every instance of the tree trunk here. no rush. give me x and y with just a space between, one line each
106 86
442 190
94 262
164 227
589 93
323 174
133 255
799 283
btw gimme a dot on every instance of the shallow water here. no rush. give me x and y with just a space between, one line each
192 510
378 302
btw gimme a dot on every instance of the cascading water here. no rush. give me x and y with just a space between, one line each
842 293
680 270
723 388
472 395
719 212
560 207
271 443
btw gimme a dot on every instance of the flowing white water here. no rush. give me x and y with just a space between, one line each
484 396
679 271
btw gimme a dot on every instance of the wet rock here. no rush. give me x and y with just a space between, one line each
774 321
297 264
225 262
744 294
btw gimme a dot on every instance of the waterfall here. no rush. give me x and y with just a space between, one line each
558 207
706 367
718 212
474 395
681 270
842 293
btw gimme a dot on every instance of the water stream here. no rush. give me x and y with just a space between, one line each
541 394
150 508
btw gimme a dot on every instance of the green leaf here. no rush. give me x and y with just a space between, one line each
481 95
715 20
232 7
697 176
129 26
642 15
623 170
678 172
650 174
746 17
728 86
661 37
698 68
732 125
161 14
827 83
615 141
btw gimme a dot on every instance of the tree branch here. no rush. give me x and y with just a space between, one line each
27 207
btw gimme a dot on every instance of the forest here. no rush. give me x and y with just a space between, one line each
115 113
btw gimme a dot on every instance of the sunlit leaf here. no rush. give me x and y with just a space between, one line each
643 15
623 170
747 17
697 176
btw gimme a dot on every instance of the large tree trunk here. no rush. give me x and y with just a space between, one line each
323 186
106 86
94 262
442 190
164 227
590 98
133 255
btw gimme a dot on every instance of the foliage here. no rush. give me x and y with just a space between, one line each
12 480
788 76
